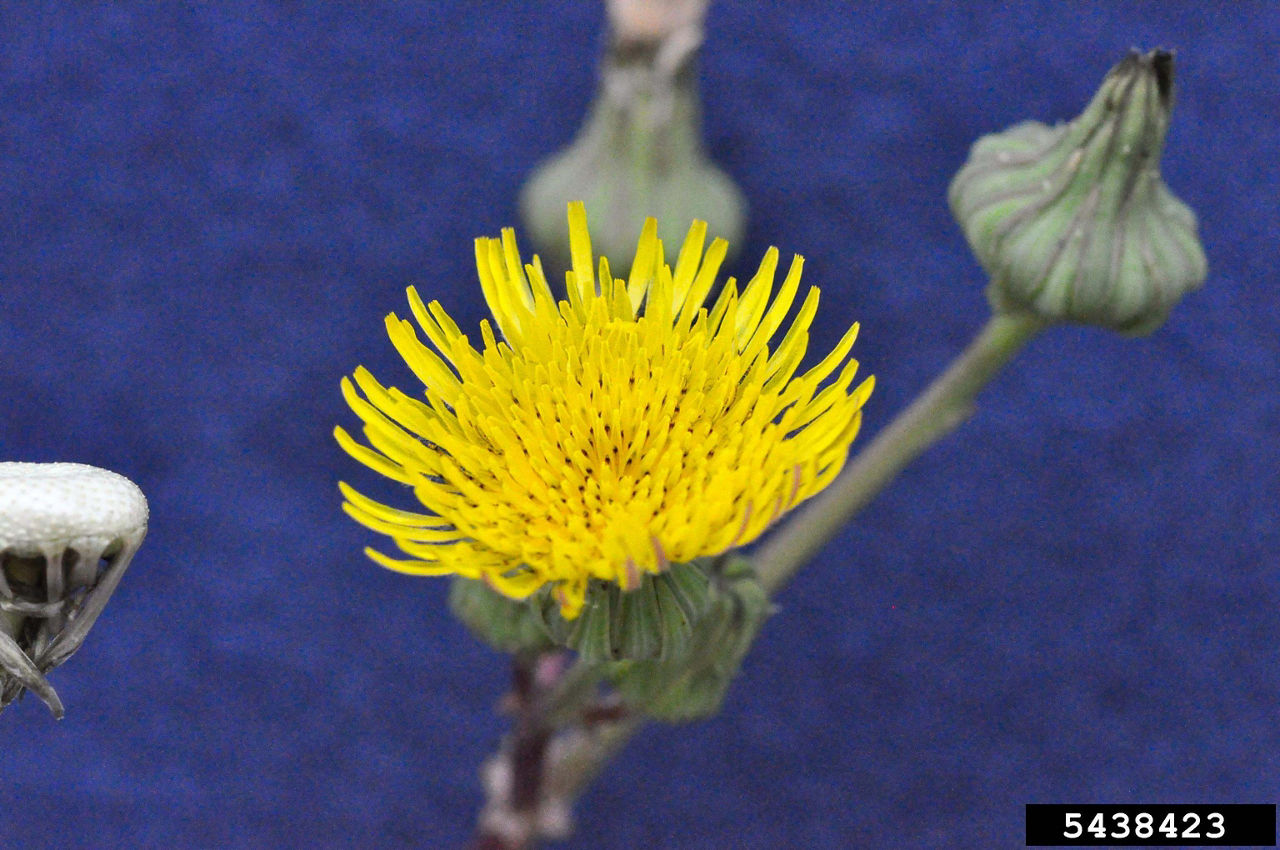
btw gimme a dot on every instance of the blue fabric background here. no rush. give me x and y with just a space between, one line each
207 209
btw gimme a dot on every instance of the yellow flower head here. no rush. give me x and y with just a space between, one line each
607 435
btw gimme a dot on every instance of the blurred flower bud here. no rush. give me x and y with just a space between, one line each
1073 222
67 534
640 152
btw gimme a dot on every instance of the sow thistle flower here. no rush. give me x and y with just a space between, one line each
605 436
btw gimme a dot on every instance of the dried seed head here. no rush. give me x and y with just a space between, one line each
67 533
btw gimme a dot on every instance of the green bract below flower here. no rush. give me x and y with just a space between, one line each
607 435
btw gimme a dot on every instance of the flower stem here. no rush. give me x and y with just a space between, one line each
585 755
547 697
947 402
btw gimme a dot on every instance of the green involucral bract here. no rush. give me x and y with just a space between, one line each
693 685
654 621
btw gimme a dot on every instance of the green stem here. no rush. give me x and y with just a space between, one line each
940 409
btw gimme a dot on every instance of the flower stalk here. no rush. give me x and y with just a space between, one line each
943 406
524 804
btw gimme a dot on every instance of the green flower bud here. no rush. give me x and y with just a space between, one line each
638 155
1073 222
693 685
655 620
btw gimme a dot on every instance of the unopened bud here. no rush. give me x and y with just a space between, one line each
1074 223
640 152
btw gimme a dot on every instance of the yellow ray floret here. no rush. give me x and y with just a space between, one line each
605 435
